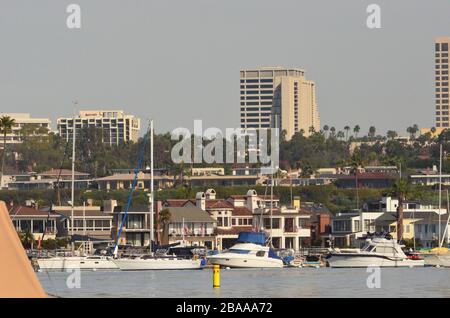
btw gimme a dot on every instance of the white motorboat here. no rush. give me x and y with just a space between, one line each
63 263
249 252
379 251
148 262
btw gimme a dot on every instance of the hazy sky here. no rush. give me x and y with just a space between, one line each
179 60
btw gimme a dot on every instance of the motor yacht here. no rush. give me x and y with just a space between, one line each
249 251
378 251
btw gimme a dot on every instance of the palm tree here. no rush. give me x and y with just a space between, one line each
332 131
401 190
325 129
164 220
356 130
340 134
433 130
347 129
6 125
372 131
356 163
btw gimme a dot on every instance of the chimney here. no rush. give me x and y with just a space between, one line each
109 205
252 200
210 194
200 200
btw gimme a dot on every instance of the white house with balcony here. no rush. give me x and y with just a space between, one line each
288 227
349 226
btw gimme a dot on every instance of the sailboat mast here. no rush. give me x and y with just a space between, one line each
72 196
440 192
151 186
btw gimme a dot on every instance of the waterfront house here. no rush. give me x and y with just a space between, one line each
29 219
427 231
421 226
136 229
191 226
290 227
90 223
349 226
366 180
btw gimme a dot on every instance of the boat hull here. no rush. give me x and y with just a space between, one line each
436 260
352 261
82 263
245 262
157 264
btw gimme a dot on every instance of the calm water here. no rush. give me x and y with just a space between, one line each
293 282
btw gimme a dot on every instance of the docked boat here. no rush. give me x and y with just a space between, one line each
149 262
63 263
378 251
439 256
249 251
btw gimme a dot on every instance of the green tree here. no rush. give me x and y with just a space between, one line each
391 134
325 129
6 125
332 132
27 239
356 130
163 221
347 129
372 131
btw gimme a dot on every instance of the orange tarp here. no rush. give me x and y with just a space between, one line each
17 278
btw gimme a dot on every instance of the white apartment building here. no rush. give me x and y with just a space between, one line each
22 120
116 126
279 93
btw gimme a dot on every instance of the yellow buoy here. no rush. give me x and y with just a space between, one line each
216 276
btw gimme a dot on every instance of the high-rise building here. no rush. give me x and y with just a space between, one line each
441 81
38 127
116 127
278 97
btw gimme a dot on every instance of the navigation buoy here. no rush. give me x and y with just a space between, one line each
216 276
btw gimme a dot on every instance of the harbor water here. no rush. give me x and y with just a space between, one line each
291 282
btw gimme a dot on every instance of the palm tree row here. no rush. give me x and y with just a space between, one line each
390 134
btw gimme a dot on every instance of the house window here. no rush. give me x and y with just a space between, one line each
357 225
275 223
342 226
302 223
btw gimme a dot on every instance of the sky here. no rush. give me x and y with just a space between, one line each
179 60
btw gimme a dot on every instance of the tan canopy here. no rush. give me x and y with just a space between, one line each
17 278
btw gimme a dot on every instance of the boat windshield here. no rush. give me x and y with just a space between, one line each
368 248
237 251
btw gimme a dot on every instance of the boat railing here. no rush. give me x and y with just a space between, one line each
315 250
